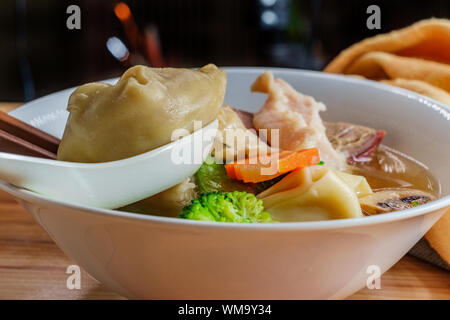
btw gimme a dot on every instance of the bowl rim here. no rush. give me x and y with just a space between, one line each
38 199
438 204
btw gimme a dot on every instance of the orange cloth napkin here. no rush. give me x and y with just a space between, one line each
416 58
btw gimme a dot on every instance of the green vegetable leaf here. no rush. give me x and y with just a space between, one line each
213 177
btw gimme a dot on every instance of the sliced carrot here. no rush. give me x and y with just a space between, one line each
249 176
238 173
230 171
263 168
294 160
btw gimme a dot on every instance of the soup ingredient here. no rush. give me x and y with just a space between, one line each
296 118
212 177
246 118
240 207
395 199
166 203
140 112
357 143
315 193
264 185
268 167
356 183
390 168
234 141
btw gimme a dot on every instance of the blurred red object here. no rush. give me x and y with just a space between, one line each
152 47
147 44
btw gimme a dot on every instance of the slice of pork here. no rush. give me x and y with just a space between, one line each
296 118
357 143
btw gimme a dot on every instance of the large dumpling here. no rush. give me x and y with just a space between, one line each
140 112
315 193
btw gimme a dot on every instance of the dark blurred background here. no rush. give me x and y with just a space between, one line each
39 54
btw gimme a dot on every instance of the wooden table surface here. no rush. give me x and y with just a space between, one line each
33 267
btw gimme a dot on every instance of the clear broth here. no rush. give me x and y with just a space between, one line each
390 168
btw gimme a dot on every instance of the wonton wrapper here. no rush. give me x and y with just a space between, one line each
315 193
356 183
140 112
234 141
167 203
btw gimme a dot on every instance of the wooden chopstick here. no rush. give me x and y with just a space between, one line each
20 138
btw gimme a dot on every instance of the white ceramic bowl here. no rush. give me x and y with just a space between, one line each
142 256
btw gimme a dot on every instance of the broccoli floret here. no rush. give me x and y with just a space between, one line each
236 206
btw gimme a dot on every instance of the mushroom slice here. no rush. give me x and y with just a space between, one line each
395 199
